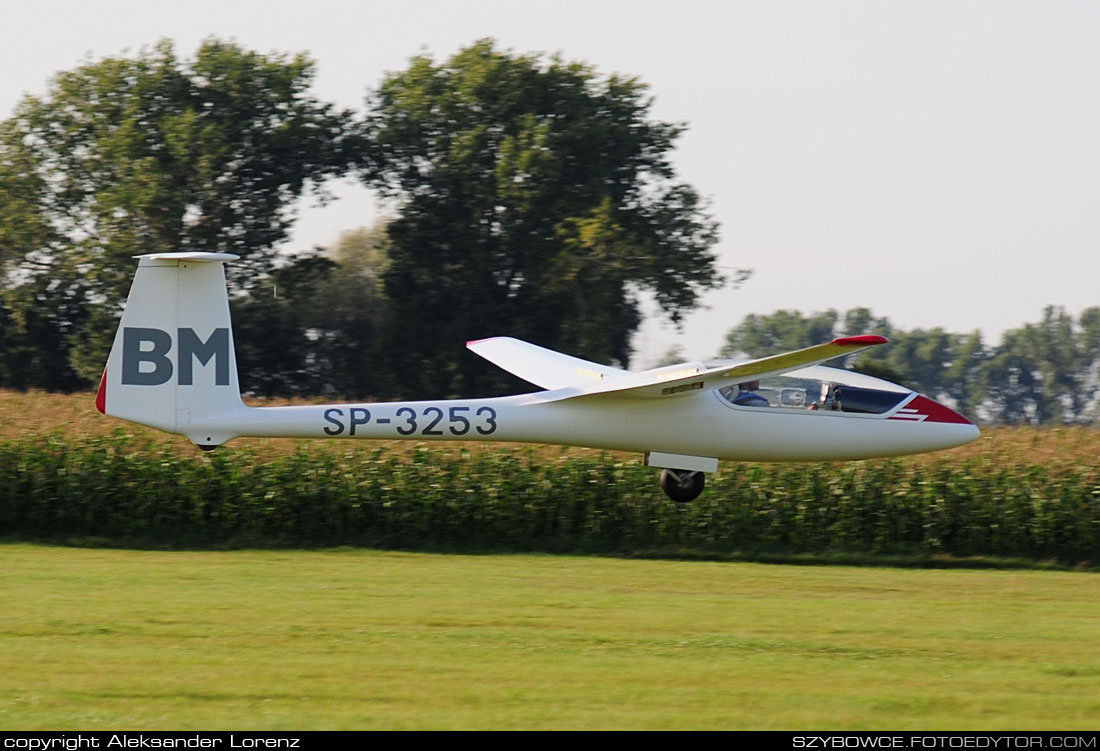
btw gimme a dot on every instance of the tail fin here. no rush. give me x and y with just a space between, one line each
173 365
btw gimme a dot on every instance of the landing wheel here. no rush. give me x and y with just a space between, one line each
682 485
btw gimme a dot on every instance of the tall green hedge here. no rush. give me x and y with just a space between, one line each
431 497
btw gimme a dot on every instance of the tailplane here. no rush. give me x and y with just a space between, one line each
173 365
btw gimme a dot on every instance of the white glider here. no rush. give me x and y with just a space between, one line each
173 367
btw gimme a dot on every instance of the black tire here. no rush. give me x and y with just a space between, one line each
682 485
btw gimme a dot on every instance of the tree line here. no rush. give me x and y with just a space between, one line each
531 197
1042 373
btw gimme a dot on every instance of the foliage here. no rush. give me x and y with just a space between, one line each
151 153
312 327
534 198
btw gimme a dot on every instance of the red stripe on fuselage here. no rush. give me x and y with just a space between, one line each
932 411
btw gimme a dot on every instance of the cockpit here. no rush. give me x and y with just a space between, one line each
820 389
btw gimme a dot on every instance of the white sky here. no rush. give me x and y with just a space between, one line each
935 161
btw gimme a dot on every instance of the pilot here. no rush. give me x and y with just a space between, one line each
747 396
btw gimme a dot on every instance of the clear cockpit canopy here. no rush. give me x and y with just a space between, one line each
819 388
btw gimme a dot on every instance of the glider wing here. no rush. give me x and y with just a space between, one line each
540 366
679 380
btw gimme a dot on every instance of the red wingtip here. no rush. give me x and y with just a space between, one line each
865 340
101 395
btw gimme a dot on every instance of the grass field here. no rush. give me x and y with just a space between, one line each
358 639
108 639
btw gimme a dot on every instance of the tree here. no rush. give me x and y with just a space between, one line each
276 329
1045 372
364 252
1009 384
961 378
534 199
142 154
312 326
1089 337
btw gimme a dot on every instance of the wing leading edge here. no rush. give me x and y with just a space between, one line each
676 381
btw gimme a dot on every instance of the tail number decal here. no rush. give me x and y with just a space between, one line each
429 421
145 359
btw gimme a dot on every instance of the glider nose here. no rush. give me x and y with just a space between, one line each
927 410
954 428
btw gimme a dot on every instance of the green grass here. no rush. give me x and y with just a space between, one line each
355 639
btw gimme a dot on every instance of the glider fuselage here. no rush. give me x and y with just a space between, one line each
173 367
701 424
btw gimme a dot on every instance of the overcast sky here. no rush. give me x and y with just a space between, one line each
937 162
